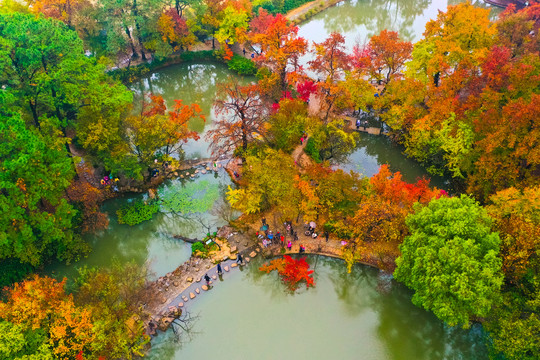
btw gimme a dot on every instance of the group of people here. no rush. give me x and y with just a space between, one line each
359 123
267 237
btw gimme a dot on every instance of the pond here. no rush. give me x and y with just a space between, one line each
362 315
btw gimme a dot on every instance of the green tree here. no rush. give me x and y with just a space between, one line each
35 221
451 260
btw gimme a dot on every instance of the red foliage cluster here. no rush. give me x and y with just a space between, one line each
305 89
292 271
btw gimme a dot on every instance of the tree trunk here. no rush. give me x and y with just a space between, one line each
138 27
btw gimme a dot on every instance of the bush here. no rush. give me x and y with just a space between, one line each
242 65
313 150
198 246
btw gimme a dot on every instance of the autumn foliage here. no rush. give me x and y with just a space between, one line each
292 271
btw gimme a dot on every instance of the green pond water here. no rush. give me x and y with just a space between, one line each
362 315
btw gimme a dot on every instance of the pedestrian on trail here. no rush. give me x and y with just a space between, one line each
289 245
263 221
207 278
302 140
244 50
292 230
219 271
365 124
239 259
358 124
278 235
326 235
282 240
295 236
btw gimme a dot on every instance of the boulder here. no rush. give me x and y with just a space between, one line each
189 279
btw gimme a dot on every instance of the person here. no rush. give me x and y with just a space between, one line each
295 236
326 235
263 221
358 124
302 140
365 124
236 175
239 259
265 243
244 50
219 270
252 55
278 235
289 245
207 278
282 240
292 230
302 249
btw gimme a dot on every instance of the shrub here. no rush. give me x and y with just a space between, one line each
242 65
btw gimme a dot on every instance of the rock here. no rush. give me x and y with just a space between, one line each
196 269
198 280
181 176
176 173
234 265
232 256
203 172
151 193
234 249
187 174
252 254
208 168
246 259
196 171
197 291
189 279
214 277
176 283
208 266
218 165
226 268
246 243
181 304
191 295
237 241
204 287
185 298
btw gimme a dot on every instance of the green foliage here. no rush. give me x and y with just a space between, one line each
451 260
312 150
194 197
17 343
198 246
12 271
288 124
137 212
242 66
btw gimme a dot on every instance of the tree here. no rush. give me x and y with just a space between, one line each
41 303
292 271
451 260
262 189
280 47
331 60
116 296
36 222
242 118
385 56
288 124
233 26
153 132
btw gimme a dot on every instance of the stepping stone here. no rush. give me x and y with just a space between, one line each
191 295
204 287
234 265
203 172
208 168
252 254
232 256
247 259
192 175
189 279
226 268
184 298
187 174
214 277
233 249
197 291
176 173
196 171
198 280
172 308
181 304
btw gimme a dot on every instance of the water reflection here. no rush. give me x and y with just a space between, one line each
365 312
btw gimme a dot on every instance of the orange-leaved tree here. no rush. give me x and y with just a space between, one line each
41 303
280 46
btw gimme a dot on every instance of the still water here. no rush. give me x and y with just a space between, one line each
362 315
